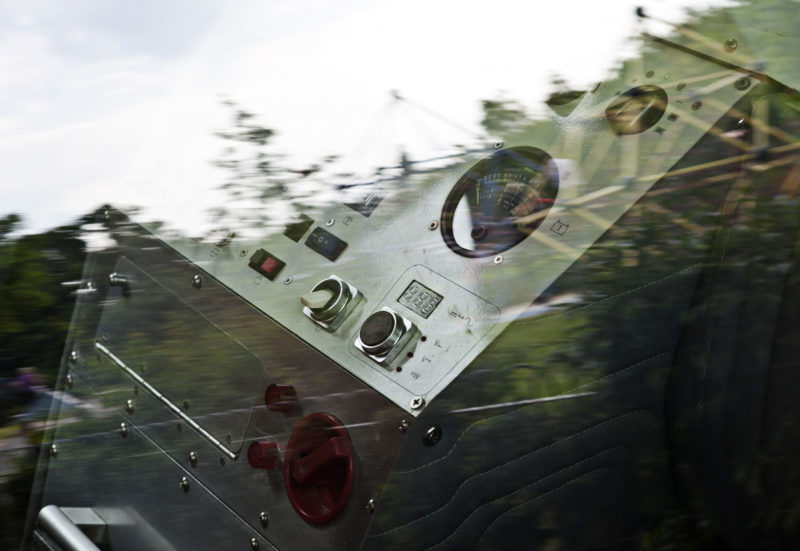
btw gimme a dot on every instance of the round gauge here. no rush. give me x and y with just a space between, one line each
499 201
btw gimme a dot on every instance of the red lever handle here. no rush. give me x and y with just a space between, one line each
309 469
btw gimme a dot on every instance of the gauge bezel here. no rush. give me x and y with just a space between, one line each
467 181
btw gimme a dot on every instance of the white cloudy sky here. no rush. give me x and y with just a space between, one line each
117 102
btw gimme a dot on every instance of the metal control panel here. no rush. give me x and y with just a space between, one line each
460 253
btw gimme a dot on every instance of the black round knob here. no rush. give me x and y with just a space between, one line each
377 328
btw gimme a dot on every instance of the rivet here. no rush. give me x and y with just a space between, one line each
498 259
330 221
129 406
697 105
649 74
197 281
371 505
68 380
433 225
288 280
417 402
498 145
667 76
73 356
742 83
263 518
193 459
184 484
243 252
403 427
53 449
123 430
680 86
432 436
253 543
731 44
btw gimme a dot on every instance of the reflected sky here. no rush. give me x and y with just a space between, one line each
119 103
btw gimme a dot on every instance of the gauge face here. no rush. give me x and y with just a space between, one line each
499 201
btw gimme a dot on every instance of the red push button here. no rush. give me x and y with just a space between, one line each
263 455
280 398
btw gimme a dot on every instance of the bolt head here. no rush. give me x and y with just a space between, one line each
197 281
417 402
73 356
129 406
123 429
253 543
371 505
403 427
263 518
193 458
742 83
53 449
432 436
184 483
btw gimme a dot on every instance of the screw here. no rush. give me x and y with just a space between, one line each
184 484
129 406
697 105
68 380
498 259
123 430
330 221
193 459
53 450
403 426
742 83
731 44
197 281
371 505
288 280
432 436
433 225
498 145
263 518
417 402
253 543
